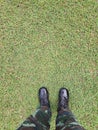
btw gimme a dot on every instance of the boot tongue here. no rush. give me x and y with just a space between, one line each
63 102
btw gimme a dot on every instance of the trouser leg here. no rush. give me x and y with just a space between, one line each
40 120
66 121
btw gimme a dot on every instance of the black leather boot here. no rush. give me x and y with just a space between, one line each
44 97
63 99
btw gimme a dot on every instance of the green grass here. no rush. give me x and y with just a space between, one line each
52 43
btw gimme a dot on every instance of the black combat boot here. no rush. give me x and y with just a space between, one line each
63 99
44 97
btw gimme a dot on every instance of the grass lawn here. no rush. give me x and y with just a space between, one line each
50 43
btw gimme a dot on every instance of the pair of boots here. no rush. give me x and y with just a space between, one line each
40 120
63 98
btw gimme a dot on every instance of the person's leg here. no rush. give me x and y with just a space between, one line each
65 119
40 120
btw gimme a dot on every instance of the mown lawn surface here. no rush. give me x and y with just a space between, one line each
50 43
